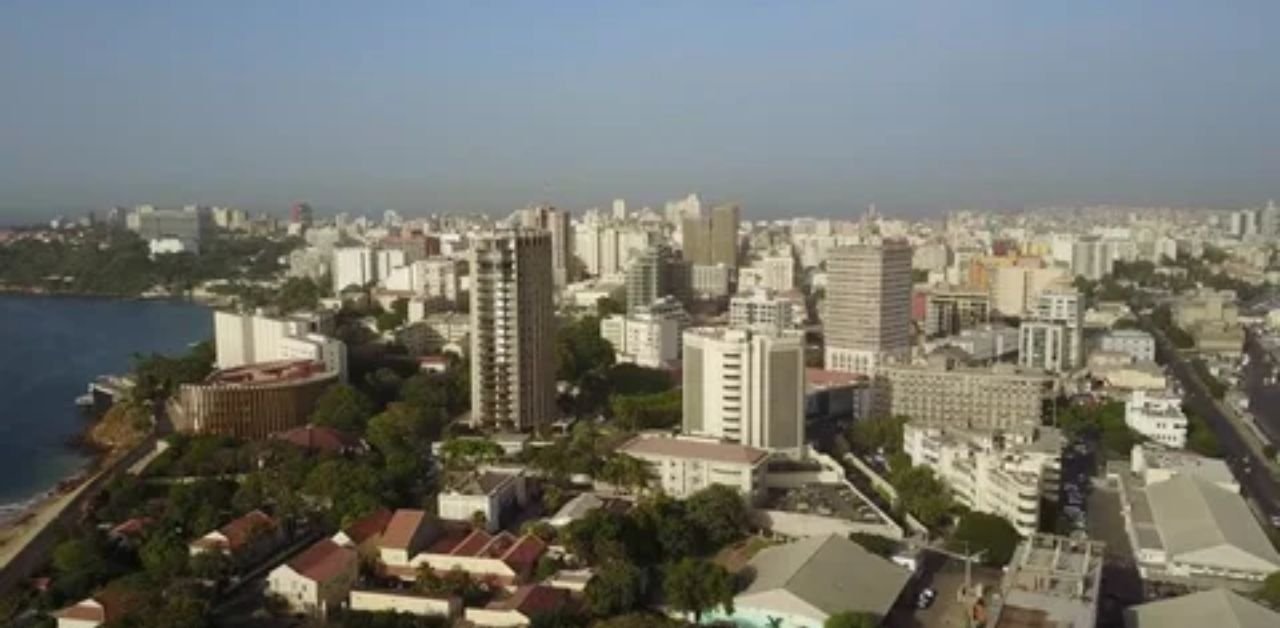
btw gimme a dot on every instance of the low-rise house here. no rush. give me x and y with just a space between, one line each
92 612
242 539
405 601
129 533
684 465
317 580
364 534
1051 581
520 609
321 439
412 540
493 494
803 583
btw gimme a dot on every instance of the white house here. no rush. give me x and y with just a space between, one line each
317 580
1157 416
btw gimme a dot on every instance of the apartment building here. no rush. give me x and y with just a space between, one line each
745 386
512 329
245 339
768 308
1000 473
940 391
650 339
951 309
1053 337
1135 343
557 223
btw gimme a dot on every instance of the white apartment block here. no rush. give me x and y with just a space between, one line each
512 329
1053 337
1157 416
776 272
745 387
606 248
433 278
1136 343
683 465
649 339
868 306
763 307
353 266
386 261
241 339
990 471
710 281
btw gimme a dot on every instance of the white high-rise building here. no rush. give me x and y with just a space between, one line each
353 266
512 329
650 338
1053 337
745 387
762 307
241 339
619 209
386 261
432 278
868 306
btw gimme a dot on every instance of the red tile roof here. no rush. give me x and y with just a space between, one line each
401 529
524 554
323 561
368 526
319 438
132 527
240 531
473 544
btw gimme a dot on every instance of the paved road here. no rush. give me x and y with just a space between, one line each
1256 483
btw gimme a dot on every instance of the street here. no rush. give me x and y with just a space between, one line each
1249 469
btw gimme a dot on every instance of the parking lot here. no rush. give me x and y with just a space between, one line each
946 577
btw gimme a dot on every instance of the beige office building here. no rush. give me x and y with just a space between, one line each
712 238
512 329
868 305
745 387
1000 397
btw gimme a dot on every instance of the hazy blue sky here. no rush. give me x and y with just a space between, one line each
790 107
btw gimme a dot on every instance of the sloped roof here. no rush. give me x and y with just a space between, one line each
323 561
1218 607
831 573
401 528
239 531
319 438
1192 515
368 526
533 599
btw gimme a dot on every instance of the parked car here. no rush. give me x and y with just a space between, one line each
926 598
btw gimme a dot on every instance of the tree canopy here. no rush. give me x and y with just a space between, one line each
696 586
979 531
343 407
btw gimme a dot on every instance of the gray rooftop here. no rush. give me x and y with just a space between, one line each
1194 515
831 573
1219 608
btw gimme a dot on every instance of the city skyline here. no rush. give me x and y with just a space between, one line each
795 110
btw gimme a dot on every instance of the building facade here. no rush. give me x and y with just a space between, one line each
1157 416
745 387
512 329
868 306
683 466
998 397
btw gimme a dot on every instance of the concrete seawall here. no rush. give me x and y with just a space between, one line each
33 547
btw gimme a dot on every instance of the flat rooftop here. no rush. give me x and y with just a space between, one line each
692 449
268 372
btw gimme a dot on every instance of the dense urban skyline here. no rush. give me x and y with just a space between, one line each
814 109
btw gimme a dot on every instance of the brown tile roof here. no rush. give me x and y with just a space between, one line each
319 438
323 561
401 529
689 448
471 546
525 553
132 527
368 526
239 531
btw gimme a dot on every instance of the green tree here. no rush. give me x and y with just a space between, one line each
851 619
720 513
648 411
875 543
874 434
978 531
922 494
350 489
618 587
164 556
344 408
402 434
460 454
298 293
1269 592
580 349
695 586
626 472
80 563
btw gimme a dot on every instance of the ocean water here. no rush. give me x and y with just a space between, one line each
50 348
